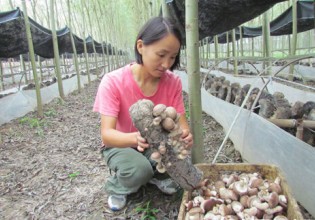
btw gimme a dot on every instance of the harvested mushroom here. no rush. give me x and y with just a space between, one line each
198 200
227 194
280 217
254 201
252 191
255 182
189 205
211 216
225 210
219 184
237 206
243 200
283 201
230 179
195 213
273 199
275 186
240 187
208 204
251 211
274 210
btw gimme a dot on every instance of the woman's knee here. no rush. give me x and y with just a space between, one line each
136 176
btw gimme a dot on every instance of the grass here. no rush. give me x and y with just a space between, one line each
73 175
50 113
148 213
37 124
32 122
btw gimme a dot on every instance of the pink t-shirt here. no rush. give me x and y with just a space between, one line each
118 91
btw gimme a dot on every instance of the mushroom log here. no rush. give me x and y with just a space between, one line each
159 126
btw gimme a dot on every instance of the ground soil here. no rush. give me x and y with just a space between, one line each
51 168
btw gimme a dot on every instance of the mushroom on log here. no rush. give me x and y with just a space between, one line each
166 134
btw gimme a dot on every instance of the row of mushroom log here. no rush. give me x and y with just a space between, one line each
267 105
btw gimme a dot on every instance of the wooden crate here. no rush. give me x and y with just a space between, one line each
214 171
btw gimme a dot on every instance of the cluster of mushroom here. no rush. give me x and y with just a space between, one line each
168 118
243 196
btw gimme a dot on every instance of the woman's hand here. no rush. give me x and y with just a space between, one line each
187 138
141 143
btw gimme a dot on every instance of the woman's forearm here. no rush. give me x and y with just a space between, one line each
114 138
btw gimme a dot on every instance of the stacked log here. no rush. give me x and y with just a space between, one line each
269 106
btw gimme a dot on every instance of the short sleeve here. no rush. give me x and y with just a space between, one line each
107 99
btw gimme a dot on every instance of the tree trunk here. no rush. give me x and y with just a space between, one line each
32 56
75 55
193 70
181 170
56 50
294 37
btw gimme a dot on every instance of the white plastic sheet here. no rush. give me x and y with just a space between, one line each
19 104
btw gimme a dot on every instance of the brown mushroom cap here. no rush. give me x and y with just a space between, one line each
252 191
162 149
208 204
225 210
228 194
168 124
158 109
273 199
156 156
275 187
243 200
171 112
219 184
255 182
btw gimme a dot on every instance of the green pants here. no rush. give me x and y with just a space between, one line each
132 170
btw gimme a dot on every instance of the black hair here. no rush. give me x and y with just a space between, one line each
154 30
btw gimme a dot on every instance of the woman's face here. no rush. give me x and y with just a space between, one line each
159 56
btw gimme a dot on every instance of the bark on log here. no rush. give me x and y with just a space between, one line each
181 170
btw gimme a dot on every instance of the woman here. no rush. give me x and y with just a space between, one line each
157 49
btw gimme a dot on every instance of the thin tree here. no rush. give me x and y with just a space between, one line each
294 37
266 40
75 56
165 10
84 44
193 69
56 50
1 77
87 7
32 56
234 52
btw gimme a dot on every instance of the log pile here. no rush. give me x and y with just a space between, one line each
269 106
